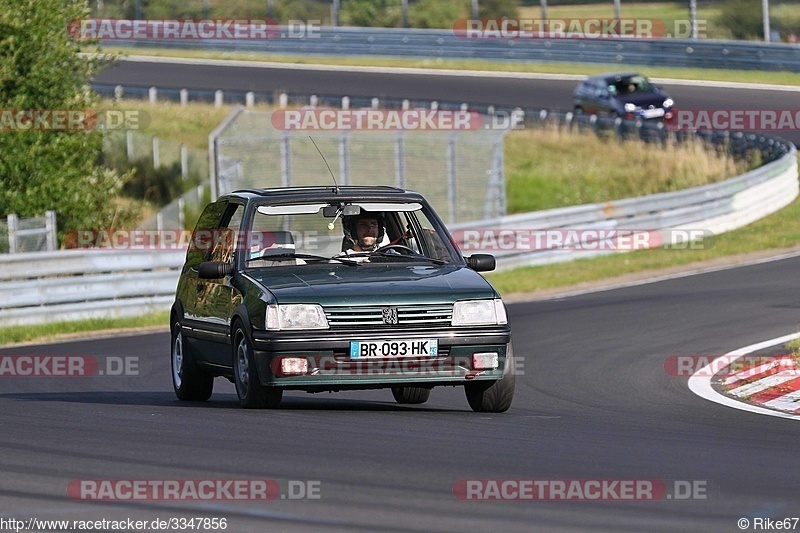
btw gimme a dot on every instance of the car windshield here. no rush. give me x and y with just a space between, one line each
347 233
632 84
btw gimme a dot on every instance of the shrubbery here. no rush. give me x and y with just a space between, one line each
42 170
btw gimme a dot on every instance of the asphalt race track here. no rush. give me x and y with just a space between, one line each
544 93
595 402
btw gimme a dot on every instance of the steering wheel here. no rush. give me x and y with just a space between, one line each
396 247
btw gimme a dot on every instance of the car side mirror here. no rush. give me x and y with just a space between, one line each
481 262
214 270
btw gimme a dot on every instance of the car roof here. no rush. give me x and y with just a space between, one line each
611 76
327 193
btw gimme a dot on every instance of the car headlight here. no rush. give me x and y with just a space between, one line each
630 108
479 313
295 316
668 102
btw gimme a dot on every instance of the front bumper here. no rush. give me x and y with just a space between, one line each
330 367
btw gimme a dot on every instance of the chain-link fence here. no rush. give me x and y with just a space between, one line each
460 172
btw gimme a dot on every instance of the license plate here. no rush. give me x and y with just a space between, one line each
398 348
653 113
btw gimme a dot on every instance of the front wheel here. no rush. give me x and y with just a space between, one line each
248 388
190 384
493 396
411 395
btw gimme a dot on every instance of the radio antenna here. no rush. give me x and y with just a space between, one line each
336 185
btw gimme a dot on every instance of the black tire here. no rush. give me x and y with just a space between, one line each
411 395
190 384
493 396
251 393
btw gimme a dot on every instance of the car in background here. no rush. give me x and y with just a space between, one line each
273 297
623 94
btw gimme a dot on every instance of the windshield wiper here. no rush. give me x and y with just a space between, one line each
405 256
292 255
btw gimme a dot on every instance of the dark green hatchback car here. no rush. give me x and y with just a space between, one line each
336 288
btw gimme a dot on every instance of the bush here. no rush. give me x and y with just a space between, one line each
743 18
437 14
371 13
42 170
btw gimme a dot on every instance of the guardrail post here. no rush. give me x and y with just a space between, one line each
375 103
286 161
152 95
184 161
181 216
283 100
218 98
452 180
118 92
156 155
497 188
344 157
13 227
249 99
50 227
184 97
313 101
345 102
400 161
406 105
129 144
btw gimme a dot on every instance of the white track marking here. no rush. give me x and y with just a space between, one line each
700 382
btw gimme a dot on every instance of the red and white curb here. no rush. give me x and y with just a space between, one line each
772 388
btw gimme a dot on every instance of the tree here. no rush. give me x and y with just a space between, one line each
42 71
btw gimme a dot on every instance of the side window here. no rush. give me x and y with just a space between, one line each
203 234
228 235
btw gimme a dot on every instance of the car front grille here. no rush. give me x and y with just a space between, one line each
407 316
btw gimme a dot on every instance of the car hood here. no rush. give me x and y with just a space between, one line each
373 284
644 100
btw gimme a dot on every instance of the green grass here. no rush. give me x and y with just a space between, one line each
668 12
742 76
548 168
63 330
779 230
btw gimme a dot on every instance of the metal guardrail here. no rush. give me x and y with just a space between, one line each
714 208
419 43
37 288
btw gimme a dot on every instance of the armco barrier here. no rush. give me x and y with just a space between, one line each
43 287
445 44
716 208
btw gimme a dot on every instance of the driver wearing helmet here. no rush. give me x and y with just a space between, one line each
364 232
